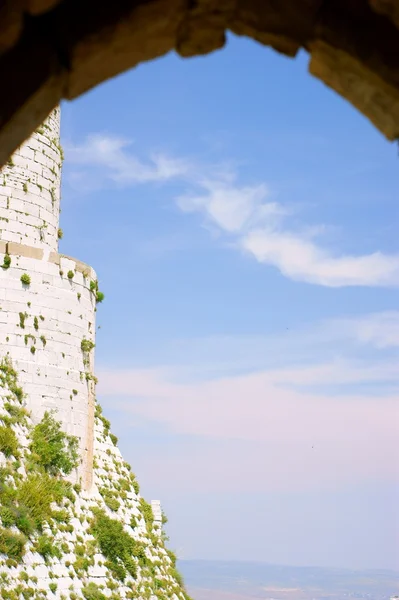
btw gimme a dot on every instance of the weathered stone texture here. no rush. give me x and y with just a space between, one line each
30 189
69 47
54 323
57 311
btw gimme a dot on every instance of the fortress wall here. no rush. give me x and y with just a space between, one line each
30 189
42 326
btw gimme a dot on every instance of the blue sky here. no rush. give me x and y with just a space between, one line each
242 221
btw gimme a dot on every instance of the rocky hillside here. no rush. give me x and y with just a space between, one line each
57 541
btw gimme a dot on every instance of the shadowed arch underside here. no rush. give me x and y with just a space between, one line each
52 50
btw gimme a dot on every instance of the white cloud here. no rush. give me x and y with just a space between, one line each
246 213
233 209
301 259
111 154
261 231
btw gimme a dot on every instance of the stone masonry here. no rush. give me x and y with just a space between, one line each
43 322
47 330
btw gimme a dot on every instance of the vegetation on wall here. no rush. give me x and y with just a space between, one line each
25 279
117 545
44 514
52 448
6 262
86 345
27 499
94 288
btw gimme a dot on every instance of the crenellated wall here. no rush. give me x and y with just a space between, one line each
43 323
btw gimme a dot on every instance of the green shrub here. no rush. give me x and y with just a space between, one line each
173 572
109 498
25 523
35 495
99 296
112 503
45 547
86 345
17 413
147 513
22 317
133 522
117 569
6 261
172 557
82 563
25 279
53 449
114 439
12 544
61 516
8 441
116 544
7 516
92 592
70 274
60 234
159 584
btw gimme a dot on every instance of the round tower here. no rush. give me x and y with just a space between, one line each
30 189
47 300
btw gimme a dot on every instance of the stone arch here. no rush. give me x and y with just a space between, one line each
58 49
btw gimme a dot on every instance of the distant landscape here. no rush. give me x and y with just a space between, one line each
219 580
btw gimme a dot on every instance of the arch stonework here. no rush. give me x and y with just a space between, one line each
58 49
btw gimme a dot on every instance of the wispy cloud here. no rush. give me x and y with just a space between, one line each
247 214
297 438
301 259
234 209
261 229
369 338
120 164
281 427
378 329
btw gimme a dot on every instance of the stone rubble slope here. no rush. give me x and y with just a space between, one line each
57 541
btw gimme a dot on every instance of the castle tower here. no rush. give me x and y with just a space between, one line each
47 300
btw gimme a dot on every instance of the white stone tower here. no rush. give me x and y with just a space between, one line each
47 300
